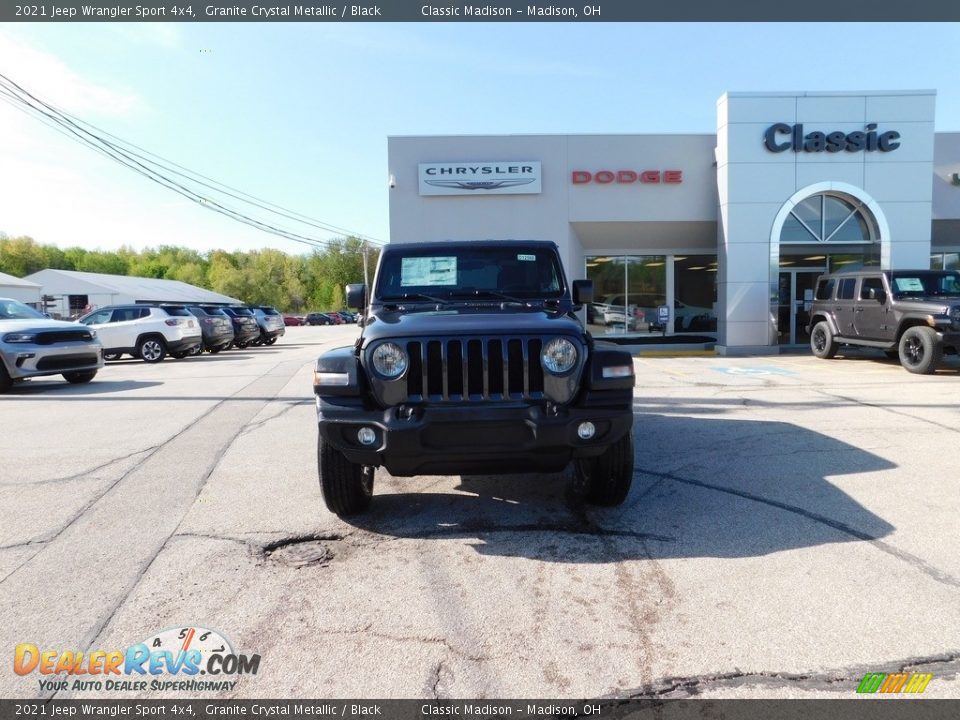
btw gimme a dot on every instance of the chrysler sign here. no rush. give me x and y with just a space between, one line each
502 177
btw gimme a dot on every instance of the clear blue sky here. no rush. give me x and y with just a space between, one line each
299 113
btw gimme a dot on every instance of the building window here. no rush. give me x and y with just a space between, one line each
945 261
694 293
829 217
629 291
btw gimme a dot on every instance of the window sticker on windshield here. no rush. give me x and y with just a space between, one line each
909 284
527 258
428 271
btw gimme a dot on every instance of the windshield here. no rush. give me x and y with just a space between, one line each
13 310
942 283
469 272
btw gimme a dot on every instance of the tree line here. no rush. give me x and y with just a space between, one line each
291 283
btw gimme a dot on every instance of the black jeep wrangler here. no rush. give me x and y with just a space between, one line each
471 361
912 315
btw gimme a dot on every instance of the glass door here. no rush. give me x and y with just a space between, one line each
794 299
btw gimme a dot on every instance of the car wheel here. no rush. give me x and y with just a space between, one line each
347 487
5 382
920 350
81 377
271 341
198 350
240 345
821 341
216 349
609 476
112 356
152 350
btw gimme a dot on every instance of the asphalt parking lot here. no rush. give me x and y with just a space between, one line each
792 526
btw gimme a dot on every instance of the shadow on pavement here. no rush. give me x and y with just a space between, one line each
702 488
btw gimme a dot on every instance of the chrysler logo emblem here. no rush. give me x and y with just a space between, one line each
479 184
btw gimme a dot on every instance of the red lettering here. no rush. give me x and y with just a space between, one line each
604 177
626 176
650 176
673 176
581 176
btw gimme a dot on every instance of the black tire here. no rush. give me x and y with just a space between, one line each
920 350
240 345
198 350
271 341
822 344
151 349
218 348
112 356
80 377
5 382
609 476
347 487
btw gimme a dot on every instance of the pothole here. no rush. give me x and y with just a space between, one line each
313 551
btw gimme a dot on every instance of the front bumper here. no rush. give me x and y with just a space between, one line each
507 438
25 360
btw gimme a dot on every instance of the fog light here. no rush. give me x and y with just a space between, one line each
366 436
586 430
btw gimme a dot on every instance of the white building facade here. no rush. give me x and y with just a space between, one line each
728 231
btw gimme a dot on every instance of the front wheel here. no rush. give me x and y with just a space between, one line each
79 378
152 350
920 350
822 343
112 356
347 487
609 476
271 341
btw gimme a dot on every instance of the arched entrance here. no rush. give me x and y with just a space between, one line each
822 228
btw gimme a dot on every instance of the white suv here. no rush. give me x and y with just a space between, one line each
145 331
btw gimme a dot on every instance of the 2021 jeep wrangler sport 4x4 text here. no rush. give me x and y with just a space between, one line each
472 361
913 315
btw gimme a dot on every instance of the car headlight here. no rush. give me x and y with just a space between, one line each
20 337
389 360
559 356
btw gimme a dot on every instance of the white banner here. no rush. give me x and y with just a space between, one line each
508 177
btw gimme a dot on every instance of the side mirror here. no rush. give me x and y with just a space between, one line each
356 296
878 295
582 292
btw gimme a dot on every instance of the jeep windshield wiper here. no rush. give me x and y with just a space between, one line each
415 296
475 292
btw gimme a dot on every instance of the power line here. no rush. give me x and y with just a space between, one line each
69 125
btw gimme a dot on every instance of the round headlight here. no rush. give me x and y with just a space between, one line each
559 356
389 360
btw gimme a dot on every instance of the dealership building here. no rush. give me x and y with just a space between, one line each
726 232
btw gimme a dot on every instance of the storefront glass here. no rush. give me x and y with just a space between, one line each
629 290
945 261
695 294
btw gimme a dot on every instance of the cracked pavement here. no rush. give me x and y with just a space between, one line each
791 527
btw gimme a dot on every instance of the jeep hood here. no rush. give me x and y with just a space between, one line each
38 324
470 321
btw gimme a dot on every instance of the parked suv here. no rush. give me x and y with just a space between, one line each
31 345
271 323
912 315
246 330
148 332
215 325
473 361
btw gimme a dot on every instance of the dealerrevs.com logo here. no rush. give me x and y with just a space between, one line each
187 659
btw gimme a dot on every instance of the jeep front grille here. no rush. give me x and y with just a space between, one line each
461 370
55 337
